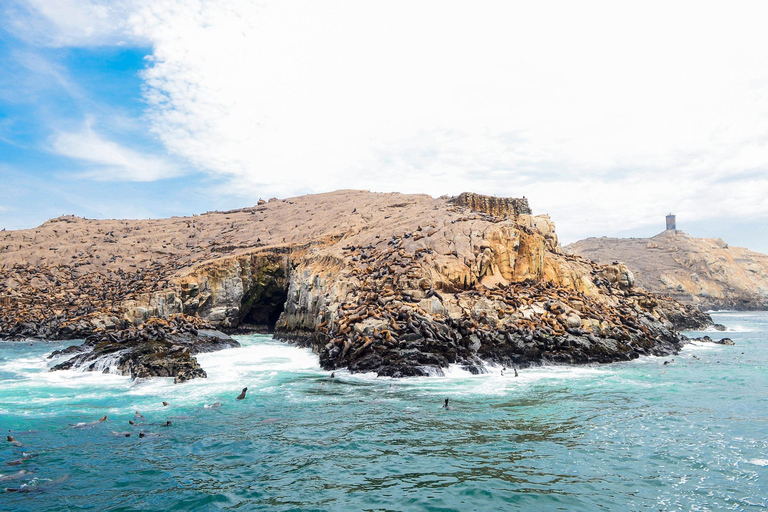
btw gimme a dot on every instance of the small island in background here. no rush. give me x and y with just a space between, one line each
705 272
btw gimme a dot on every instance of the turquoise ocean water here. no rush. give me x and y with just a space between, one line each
689 435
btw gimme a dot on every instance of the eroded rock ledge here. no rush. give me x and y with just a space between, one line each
392 283
159 348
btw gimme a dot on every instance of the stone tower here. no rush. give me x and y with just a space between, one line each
671 225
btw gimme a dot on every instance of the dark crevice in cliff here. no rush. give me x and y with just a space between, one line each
263 314
264 301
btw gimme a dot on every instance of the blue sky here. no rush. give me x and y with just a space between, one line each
605 115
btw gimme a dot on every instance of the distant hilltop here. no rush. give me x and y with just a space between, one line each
703 271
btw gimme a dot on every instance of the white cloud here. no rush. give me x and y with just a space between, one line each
605 114
70 22
109 161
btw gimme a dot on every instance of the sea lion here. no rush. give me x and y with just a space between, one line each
212 406
333 375
241 396
39 487
19 462
166 404
13 441
516 375
90 423
446 406
14 476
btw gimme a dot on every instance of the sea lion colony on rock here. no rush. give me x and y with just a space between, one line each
403 285
388 330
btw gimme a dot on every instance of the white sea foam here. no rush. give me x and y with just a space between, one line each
261 364
104 364
459 381
758 462
739 328
701 346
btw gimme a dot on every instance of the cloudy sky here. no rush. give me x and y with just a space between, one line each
606 115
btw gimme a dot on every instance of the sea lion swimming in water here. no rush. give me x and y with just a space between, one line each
13 441
91 423
212 406
19 462
241 396
40 487
446 406
14 476
516 375
166 404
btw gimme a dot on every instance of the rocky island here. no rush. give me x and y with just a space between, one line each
396 284
706 272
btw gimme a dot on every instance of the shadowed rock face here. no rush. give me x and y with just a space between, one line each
701 271
392 283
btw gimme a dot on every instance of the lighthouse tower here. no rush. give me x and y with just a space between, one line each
671 225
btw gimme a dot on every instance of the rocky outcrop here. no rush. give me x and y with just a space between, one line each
392 283
159 348
705 272
497 207
707 339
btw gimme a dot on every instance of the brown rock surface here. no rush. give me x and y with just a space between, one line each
393 283
705 272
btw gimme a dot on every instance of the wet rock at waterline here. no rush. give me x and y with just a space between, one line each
159 348
707 339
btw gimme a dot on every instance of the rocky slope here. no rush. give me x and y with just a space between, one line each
702 271
392 283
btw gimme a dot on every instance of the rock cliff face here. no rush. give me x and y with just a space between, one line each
701 271
498 207
392 283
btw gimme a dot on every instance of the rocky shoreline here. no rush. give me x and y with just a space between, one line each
518 326
396 284
159 348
